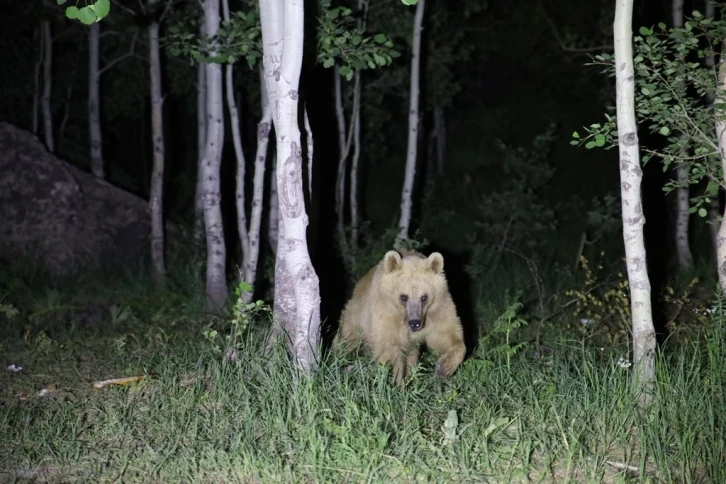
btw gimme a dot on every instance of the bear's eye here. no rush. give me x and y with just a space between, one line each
424 298
403 297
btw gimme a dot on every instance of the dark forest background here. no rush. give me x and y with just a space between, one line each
518 91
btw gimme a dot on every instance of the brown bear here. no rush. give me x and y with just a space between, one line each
399 304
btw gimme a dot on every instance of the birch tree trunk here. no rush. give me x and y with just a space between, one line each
714 204
36 77
297 293
413 119
201 147
683 249
273 228
47 86
354 217
258 186
94 96
310 148
240 198
344 148
211 194
631 176
721 134
156 193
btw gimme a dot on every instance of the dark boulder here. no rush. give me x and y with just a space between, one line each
61 216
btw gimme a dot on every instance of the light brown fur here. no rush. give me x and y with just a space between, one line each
377 317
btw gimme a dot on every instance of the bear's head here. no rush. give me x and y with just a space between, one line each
412 284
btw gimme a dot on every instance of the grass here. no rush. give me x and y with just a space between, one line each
197 417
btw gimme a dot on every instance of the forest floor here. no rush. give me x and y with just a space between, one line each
195 416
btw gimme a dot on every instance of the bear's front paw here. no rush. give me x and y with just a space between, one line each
449 362
443 368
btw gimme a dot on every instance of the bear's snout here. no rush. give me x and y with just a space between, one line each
415 325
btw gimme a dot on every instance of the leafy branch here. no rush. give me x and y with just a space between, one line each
341 42
240 37
674 99
89 14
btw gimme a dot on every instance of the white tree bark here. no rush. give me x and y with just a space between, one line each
156 193
344 148
249 236
355 119
258 186
721 134
211 191
240 197
297 293
202 147
94 97
714 209
631 176
273 226
683 249
311 146
413 120
36 78
47 86
714 204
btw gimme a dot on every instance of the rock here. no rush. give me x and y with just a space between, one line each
61 216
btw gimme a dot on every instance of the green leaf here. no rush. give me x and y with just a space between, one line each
101 8
72 13
61 2
346 71
590 145
380 38
329 62
712 188
702 212
664 130
599 140
87 15
409 2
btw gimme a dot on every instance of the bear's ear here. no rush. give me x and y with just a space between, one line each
435 263
392 261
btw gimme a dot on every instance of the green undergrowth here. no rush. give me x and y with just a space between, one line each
509 414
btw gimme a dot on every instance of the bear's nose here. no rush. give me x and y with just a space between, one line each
414 324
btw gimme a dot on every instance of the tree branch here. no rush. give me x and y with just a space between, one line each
108 32
118 59
167 7
574 50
